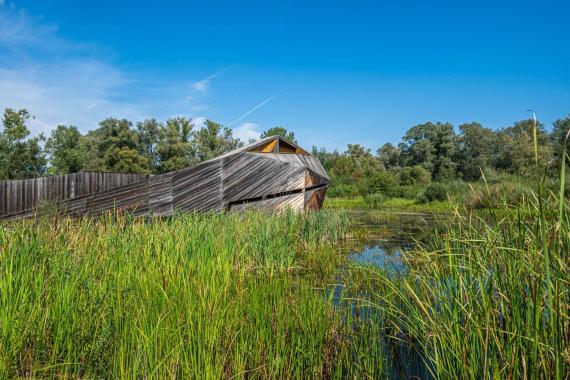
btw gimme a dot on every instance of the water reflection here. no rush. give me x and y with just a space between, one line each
379 238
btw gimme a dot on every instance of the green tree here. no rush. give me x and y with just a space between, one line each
128 160
478 150
389 155
327 159
280 131
356 163
213 140
67 153
107 148
381 183
433 146
20 156
415 175
559 131
516 144
175 149
149 135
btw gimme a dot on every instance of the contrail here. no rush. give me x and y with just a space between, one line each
253 109
219 72
203 84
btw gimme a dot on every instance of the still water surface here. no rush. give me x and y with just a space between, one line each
377 240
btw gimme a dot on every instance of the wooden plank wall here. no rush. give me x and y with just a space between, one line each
234 181
22 195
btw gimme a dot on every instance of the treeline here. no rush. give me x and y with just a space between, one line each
428 152
117 145
436 152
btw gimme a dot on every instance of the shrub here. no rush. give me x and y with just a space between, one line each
384 183
374 200
342 190
415 175
456 189
409 191
434 192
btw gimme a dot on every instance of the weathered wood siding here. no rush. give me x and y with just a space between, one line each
309 162
22 195
198 188
249 177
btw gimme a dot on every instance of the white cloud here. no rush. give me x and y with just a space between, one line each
77 92
21 30
58 81
247 131
204 84
67 82
201 85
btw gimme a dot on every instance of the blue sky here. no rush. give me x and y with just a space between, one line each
334 72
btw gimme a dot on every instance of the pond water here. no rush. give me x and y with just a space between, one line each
378 239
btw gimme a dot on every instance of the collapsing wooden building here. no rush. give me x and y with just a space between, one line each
270 174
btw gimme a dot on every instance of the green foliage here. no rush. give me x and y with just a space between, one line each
415 175
127 160
478 149
503 194
487 297
175 149
432 146
115 147
381 183
357 163
20 157
558 136
374 201
213 140
517 150
389 155
280 131
193 296
327 159
427 151
343 190
434 192
67 153
149 132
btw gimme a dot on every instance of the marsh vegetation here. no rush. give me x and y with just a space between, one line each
259 295
477 287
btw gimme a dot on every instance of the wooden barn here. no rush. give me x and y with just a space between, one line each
270 174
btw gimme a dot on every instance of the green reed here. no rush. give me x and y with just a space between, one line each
193 296
487 297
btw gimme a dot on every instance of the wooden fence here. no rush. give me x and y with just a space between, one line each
17 196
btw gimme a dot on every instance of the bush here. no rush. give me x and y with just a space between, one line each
415 175
342 190
384 183
456 190
374 200
434 192
409 191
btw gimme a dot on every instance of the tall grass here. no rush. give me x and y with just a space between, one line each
195 296
489 296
